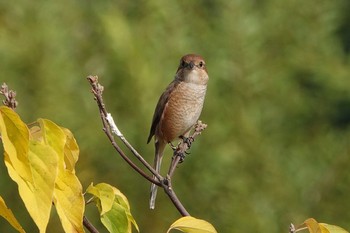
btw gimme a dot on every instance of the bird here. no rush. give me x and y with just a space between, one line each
178 108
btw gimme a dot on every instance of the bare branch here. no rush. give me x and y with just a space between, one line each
97 90
10 97
168 188
110 127
89 225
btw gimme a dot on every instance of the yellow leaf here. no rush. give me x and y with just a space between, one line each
41 161
15 139
68 197
8 215
312 225
69 201
31 164
315 227
332 228
54 137
35 132
192 225
105 195
71 150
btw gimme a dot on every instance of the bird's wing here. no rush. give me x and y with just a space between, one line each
162 102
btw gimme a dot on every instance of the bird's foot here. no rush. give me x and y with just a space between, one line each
173 147
183 156
187 140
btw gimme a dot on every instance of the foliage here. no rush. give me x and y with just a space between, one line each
41 159
114 208
277 145
6 213
36 158
314 227
192 225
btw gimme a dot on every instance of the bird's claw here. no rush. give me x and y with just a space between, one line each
172 146
187 140
182 157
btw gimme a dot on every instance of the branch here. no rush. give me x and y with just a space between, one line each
107 121
10 100
89 225
180 151
110 127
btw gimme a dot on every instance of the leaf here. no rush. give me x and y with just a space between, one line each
114 208
105 195
192 225
332 228
115 220
41 161
315 227
69 201
125 203
31 164
8 215
15 139
71 150
68 197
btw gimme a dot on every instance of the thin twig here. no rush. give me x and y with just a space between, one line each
88 225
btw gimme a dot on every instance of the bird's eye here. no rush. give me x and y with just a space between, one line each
201 64
183 63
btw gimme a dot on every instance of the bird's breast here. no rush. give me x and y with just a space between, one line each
182 110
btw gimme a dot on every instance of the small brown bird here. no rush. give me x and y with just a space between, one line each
178 108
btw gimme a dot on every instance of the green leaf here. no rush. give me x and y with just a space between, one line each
192 225
116 220
125 203
114 208
8 215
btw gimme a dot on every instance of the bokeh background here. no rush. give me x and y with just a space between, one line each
277 146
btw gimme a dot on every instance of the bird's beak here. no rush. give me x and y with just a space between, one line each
191 65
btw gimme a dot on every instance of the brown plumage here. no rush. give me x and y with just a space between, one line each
178 108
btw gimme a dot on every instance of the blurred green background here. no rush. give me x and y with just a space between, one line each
277 146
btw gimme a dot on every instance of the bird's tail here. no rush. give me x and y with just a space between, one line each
160 146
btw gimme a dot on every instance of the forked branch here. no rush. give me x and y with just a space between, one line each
110 128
